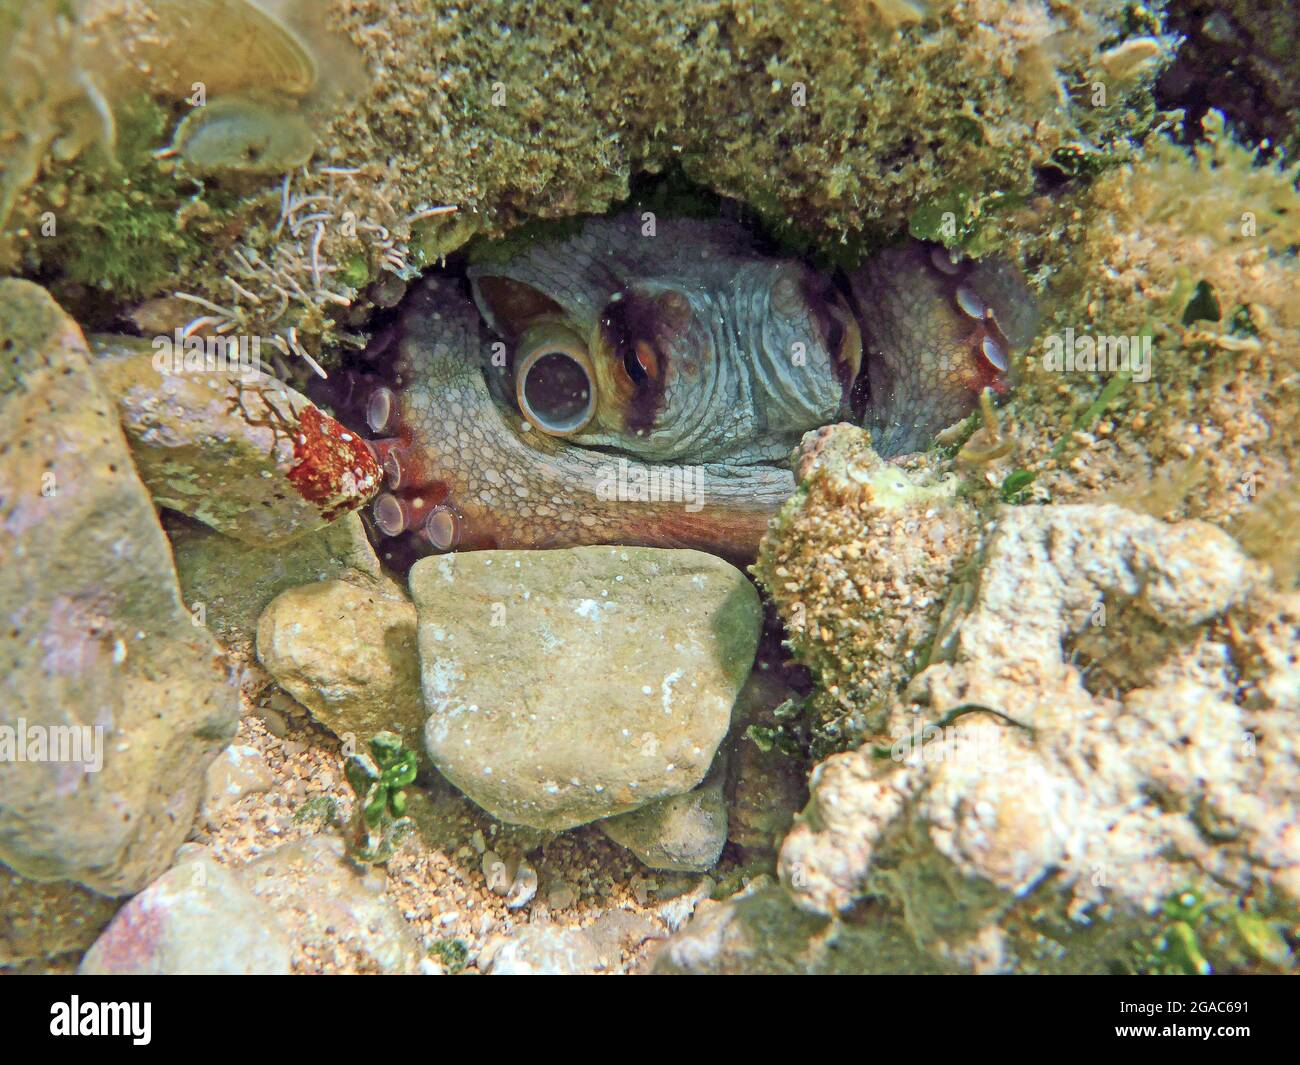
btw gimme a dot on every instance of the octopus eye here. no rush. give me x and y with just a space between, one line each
640 362
555 383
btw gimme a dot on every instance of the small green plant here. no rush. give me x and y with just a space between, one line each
452 953
1015 486
379 780
1197 937
1176 948
1263 938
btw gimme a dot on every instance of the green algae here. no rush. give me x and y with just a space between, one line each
121 232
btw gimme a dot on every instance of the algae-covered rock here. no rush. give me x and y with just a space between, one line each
1183 257
115 701
566 686
858 564
829 120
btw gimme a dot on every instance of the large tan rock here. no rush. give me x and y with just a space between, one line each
567 686
96 640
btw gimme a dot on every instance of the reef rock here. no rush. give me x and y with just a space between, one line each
227 444
1008 767
98 651
348 654
858 563
567 686
195 919
836 118
682 833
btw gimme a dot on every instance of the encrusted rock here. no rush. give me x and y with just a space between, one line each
232 446
567 686
197 918
1006 768
348 654
858 563
97 647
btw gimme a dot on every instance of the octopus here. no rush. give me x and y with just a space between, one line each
612 387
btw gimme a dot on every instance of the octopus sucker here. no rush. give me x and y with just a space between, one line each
615 388
937 331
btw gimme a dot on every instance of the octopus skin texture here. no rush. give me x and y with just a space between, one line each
615 387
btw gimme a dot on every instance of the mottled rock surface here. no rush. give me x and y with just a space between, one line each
1007 767
567 686
196 919
96 640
